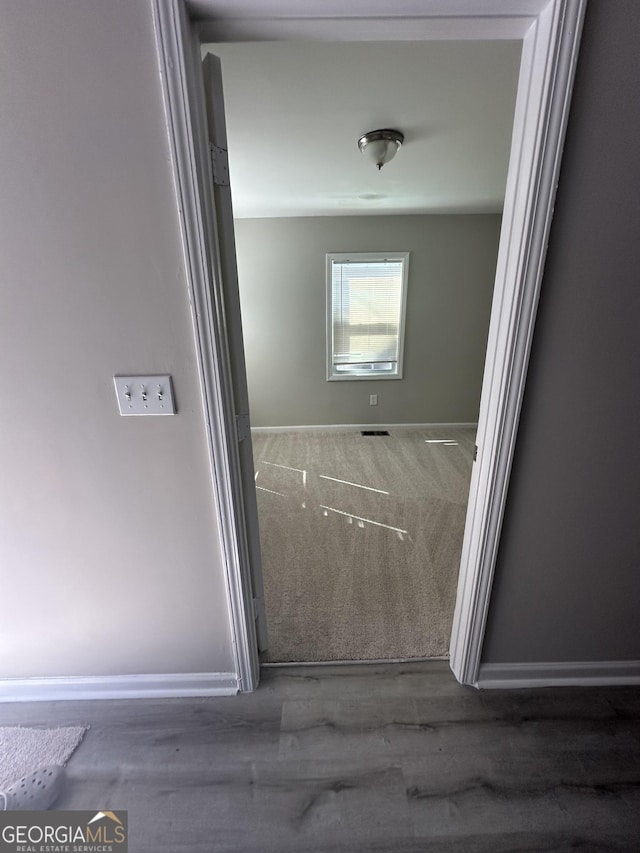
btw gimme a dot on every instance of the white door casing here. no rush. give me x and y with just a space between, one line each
550 32
200 215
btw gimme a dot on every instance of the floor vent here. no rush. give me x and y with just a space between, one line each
374 432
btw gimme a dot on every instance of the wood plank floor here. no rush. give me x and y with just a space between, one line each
361 758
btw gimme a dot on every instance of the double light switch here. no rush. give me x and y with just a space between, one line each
144 395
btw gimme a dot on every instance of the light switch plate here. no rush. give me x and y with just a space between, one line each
144 395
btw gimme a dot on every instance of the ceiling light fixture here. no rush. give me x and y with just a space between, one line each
381 145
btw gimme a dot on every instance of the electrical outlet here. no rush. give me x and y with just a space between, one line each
373 399
144 395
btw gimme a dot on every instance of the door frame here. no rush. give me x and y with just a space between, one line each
550 33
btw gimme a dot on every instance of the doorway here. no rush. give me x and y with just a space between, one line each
374 575
550 34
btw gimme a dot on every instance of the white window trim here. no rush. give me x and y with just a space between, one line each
372 257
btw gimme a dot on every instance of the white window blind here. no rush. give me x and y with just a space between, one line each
366 315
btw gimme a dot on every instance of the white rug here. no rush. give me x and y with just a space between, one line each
23 750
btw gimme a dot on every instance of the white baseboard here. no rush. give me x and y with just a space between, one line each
171 686
590 673
358 427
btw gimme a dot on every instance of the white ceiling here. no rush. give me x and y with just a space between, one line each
296 109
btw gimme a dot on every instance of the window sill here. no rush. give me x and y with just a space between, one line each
351 377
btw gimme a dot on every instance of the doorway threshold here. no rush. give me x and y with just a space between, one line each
376 662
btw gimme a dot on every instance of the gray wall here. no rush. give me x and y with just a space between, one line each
281 265
110 561
567 582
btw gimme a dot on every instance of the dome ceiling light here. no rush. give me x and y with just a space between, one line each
381 145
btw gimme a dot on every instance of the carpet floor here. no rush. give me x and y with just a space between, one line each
23 750
361 539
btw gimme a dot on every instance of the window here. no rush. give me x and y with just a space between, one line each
366 298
